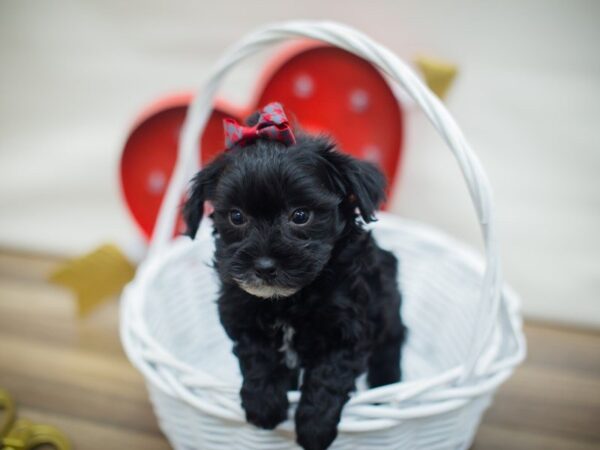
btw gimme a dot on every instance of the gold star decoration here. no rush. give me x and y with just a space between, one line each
95 277
438 74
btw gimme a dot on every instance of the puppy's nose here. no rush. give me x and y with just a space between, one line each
265 267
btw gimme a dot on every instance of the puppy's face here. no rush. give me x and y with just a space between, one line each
279 211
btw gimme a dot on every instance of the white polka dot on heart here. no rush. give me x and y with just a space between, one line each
359 100
156 182
372 153
303 86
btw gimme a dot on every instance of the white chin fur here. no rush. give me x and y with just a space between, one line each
266 291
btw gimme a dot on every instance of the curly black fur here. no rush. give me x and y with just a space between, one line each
340 315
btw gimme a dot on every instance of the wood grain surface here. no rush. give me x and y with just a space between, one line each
73 374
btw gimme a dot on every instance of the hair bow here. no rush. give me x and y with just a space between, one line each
272 124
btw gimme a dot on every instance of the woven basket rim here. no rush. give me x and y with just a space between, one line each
497 310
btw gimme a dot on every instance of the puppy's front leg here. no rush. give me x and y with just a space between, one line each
266 382
325 390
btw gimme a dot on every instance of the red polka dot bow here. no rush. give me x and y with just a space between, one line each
272 124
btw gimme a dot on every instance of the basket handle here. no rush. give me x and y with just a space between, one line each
361 45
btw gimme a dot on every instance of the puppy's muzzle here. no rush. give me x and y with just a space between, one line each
265 268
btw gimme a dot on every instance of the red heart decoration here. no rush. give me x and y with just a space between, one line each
324 88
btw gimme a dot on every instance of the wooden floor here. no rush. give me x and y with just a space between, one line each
73 374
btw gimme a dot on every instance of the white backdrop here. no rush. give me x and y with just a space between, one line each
74 74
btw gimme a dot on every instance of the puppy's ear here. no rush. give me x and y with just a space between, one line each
361 183
202 188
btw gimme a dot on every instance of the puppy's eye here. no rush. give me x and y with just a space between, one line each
301 216
237 218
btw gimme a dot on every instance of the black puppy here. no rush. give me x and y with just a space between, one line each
304 286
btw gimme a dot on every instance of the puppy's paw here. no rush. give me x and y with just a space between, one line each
265 410
314 434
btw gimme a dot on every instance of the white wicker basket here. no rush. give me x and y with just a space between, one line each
464 326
